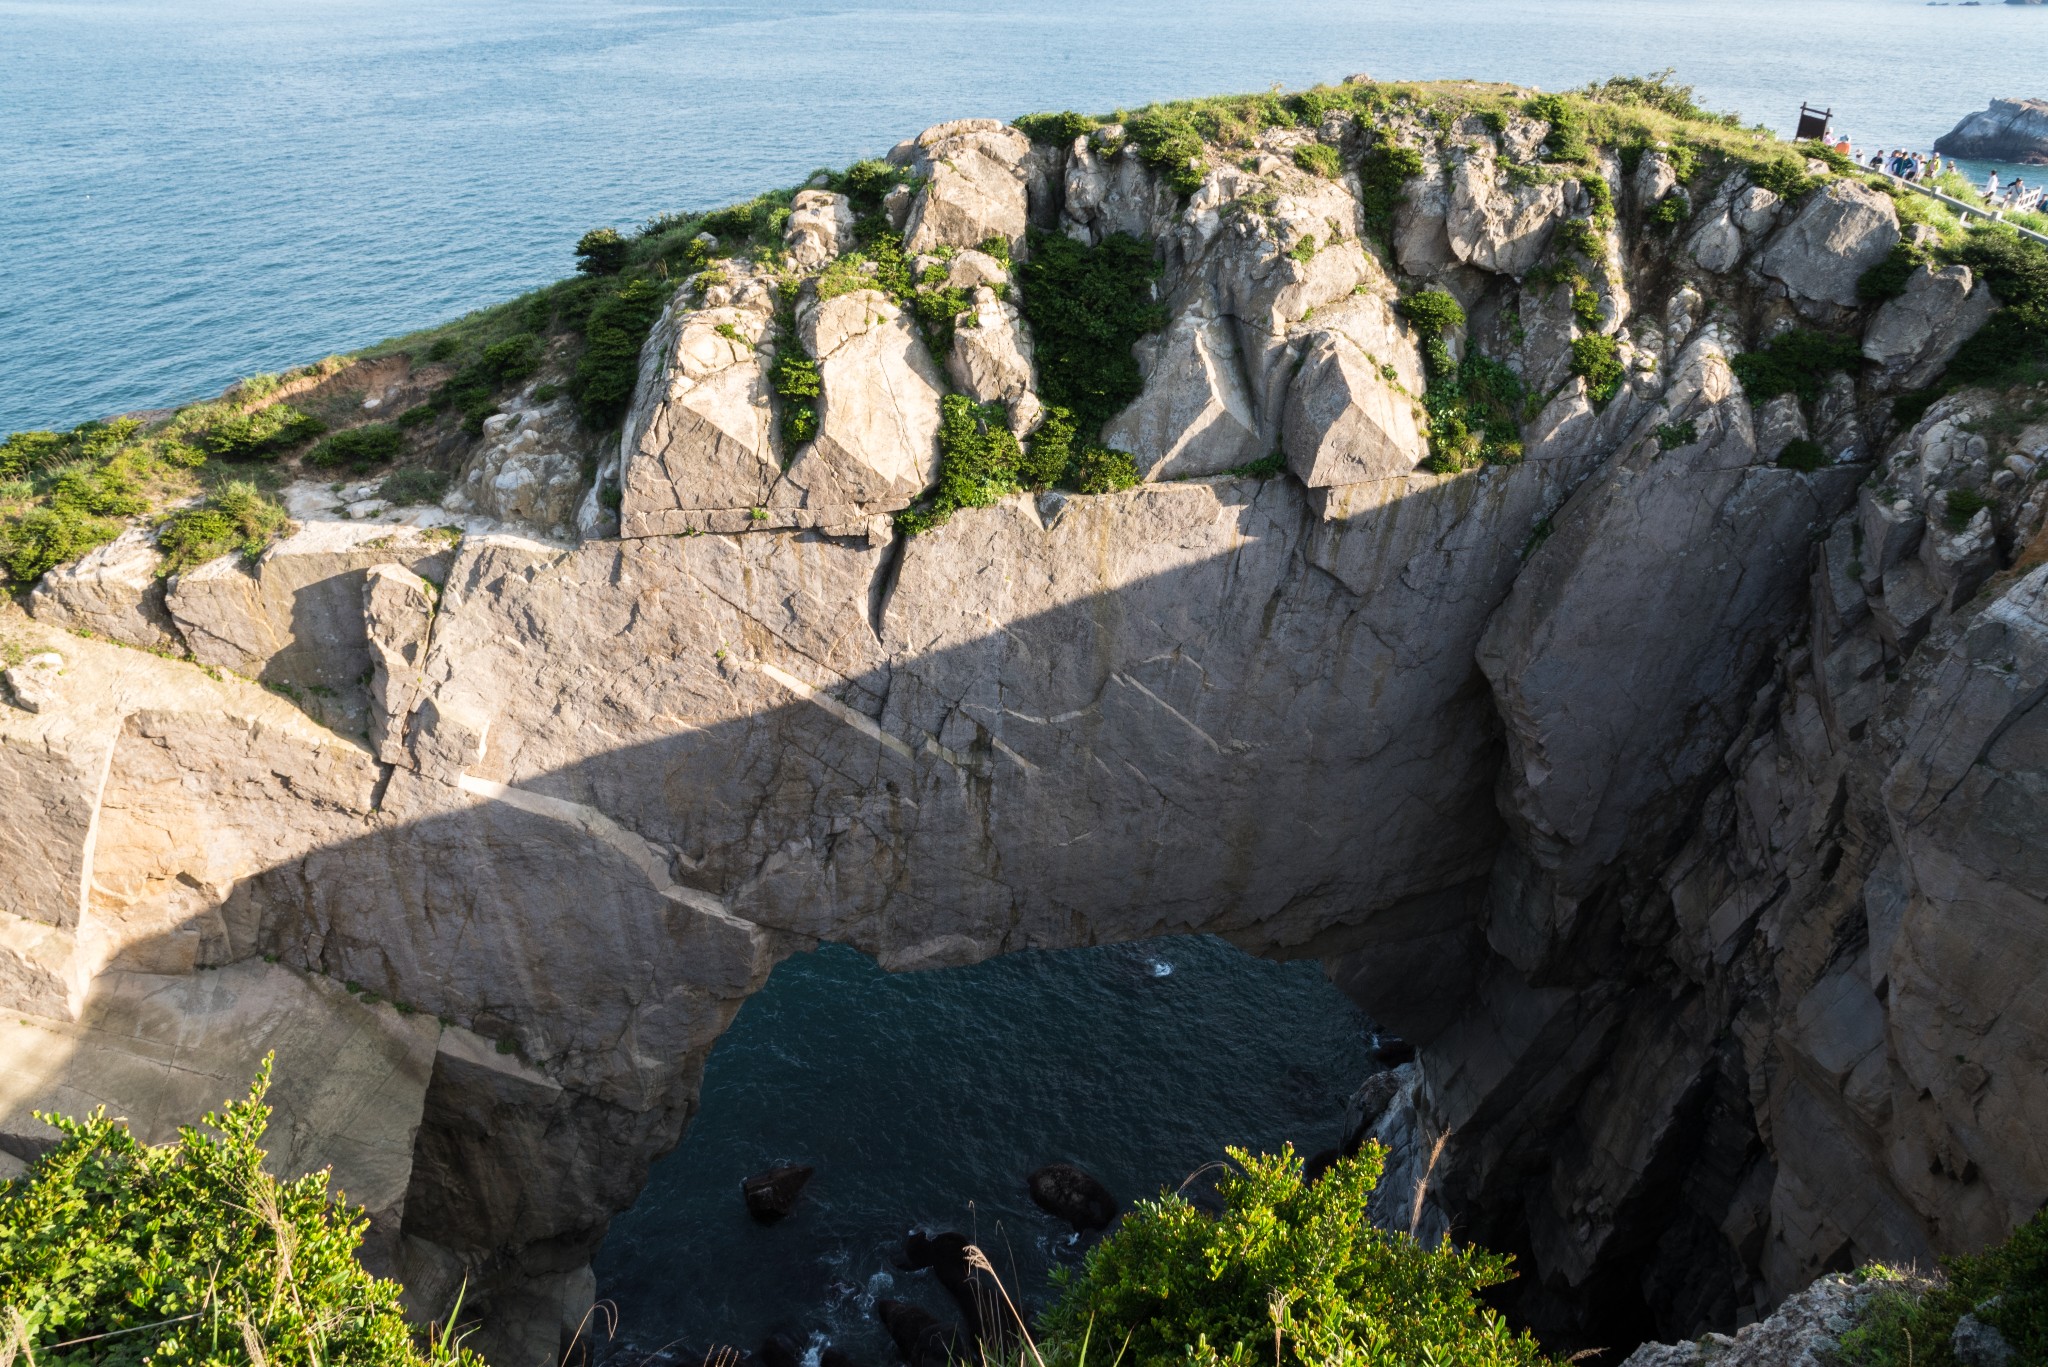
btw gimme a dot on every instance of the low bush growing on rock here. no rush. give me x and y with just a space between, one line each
1290 1273
1169 142
1803 454
1912 1324
359 447
1383 175
123 1254
1319 158
1103 470
1598 358
1794 362
236 517
410 488
795 379
979 462
1058 129
261 435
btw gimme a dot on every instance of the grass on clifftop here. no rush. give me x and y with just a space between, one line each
115 1253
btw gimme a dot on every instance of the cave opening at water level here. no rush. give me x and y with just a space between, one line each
924 1099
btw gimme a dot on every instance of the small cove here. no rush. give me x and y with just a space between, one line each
925 1099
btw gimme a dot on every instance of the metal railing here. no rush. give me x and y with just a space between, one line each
1961 206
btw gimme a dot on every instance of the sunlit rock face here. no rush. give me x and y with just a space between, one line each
1680 806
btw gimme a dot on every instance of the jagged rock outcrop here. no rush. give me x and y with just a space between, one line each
2010 130
115 591
1679 807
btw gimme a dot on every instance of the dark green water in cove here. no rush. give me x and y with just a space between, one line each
925 1099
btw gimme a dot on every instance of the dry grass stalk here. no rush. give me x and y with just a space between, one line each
1436 1151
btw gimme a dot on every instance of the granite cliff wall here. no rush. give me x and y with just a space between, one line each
1682 806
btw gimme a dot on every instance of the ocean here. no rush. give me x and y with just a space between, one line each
925 1099
195 190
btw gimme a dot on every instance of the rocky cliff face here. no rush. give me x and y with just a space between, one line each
1684 807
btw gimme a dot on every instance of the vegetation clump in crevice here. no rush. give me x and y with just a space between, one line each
1474 407
1795 362
115 1253
1087 307
1289 1272
1803 454
797 384
1596 358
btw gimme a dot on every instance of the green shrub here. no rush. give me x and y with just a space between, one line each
26 453
1578 235
795 379
1086 307
1319 158
1656 91
1168 141
610 366
1049 452
43 538
1669 212
1910 407
236 517
410 488
1434 312
96 491
1290 1273
260 435
978 462
1672 435
419 415
1566 140
1960 505
1383 175
601 251
1598 359
1795 362
1803 454
2014 343
1887 279
1102 470
865 183
1586 305
1600 199
443 349
193 1244
360 447
2006 1287
1059 129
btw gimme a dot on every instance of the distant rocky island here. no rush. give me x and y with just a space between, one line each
2010 130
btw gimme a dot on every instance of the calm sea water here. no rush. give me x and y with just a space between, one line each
926 1098
193 190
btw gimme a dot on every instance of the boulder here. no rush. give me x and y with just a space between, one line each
1755 209
979 174
34 684
1973 1342
772 1194
1913 338
1959 561
1422 240
1105 195
1497 226
398 614
1345 421
1072 1194
991 358
878 417
528 472
1841 232
296 616
2010 130
1779 422
112 591
917 1334
820 228
1892 528
1716 243
707 440
1195 415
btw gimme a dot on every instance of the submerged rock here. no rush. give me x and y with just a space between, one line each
1068 1193
772 1194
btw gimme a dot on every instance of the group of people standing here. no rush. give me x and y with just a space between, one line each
1922 168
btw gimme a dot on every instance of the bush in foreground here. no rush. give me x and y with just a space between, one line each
123 1254
1291 1273
237 517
